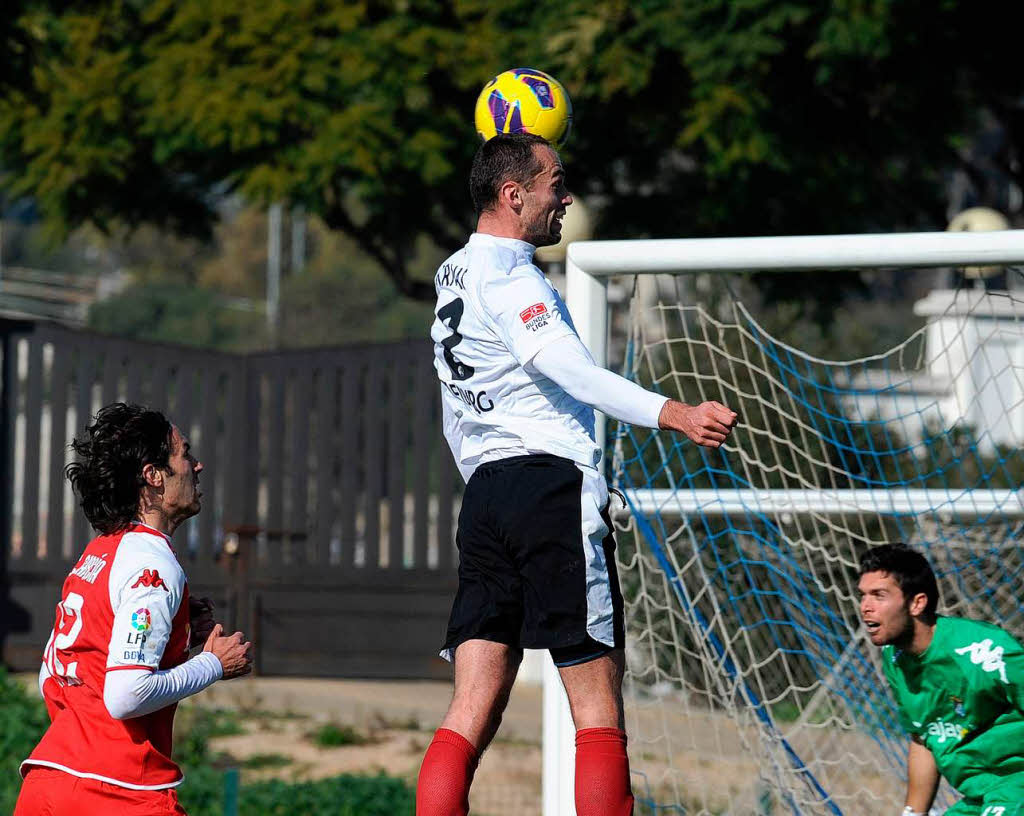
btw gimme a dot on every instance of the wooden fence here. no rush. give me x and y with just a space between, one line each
329 496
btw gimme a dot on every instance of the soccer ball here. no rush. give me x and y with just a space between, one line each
524 100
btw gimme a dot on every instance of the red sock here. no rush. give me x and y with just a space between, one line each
602 773
445 776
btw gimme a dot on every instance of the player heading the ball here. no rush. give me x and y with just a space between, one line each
536 552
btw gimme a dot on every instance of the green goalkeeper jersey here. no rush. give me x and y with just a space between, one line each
963 697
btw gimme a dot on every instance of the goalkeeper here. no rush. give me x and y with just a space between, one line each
958 684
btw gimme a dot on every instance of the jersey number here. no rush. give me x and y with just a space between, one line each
452 315
63 637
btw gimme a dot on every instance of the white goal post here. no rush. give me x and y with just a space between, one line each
589 264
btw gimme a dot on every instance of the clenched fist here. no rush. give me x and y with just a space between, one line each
233 652
707 424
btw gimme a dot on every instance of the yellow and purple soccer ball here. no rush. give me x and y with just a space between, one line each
524 100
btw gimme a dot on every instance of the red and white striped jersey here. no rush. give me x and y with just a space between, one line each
123 606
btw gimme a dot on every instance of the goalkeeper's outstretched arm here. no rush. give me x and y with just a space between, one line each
922 779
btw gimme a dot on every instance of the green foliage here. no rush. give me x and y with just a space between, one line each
258 762
174 313
202 794
708 117
345 795
331 735
347 306
22 722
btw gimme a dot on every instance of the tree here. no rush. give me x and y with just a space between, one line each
211 295
701 118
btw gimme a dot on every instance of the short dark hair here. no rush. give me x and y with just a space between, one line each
112 452
505 157
909 568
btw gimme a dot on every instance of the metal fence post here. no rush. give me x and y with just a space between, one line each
231 792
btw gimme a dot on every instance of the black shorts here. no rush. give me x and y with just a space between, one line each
537 561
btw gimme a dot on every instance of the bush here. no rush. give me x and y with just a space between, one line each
202 794
332 735
22 722
345 795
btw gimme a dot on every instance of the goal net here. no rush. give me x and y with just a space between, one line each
750 687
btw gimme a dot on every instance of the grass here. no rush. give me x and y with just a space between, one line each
407 723
333 735
23 719
259 762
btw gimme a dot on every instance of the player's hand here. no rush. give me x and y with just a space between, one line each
233 651
200 620
707 424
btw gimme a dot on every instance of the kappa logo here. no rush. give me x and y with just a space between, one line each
991 659
151 578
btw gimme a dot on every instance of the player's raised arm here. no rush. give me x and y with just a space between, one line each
567 363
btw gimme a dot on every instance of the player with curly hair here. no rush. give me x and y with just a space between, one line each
117 661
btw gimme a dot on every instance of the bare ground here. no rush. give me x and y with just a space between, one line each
700 759
281 717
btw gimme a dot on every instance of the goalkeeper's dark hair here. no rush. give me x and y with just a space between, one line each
909 568
111 454
505 157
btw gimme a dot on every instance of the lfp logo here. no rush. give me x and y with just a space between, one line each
140 620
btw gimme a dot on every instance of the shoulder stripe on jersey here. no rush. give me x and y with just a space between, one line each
82 775
162 535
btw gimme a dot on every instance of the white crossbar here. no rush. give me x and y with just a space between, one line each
602 259
734 502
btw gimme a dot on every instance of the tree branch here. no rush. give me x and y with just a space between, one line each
337 217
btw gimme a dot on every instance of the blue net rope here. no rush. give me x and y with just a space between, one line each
751 687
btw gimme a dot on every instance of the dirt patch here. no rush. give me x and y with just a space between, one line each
300 729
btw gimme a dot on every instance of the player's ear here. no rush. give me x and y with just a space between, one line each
152 475
918 604
512 195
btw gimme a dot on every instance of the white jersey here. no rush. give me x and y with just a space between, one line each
495 311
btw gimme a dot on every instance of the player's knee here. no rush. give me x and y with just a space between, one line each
597 711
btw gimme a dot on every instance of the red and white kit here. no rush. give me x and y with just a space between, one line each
123 607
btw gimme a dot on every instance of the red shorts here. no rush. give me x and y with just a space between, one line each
49 792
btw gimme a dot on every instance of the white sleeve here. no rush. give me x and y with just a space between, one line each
525 311
568 364
146 588
135 692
